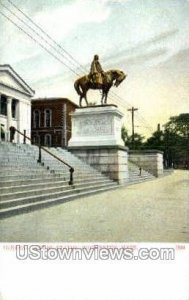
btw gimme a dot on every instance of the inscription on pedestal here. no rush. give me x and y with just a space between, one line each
96 125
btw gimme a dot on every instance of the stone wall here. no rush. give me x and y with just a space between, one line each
150 160
110 161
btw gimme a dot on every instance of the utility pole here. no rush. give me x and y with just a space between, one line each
133 109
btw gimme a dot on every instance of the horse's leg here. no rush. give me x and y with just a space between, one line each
86 99
85 95
106 96
102 97
80 101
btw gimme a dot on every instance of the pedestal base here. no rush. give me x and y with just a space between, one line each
111 161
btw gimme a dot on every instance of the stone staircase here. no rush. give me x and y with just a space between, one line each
135 176
26 185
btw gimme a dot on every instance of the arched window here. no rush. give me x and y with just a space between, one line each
36 140
36 118
48 118
48 140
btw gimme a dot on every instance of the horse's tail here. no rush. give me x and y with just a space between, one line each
78 87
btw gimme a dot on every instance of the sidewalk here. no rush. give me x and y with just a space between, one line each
154 211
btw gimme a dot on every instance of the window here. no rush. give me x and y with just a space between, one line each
48 118
2 132
14 106
36 118
36 139
3 105
48 140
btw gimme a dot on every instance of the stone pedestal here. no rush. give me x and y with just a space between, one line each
96 126
96 139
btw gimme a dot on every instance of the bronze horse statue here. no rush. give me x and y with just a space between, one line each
111 77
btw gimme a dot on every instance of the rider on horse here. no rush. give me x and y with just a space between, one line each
96 74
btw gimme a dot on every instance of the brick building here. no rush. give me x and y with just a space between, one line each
51 121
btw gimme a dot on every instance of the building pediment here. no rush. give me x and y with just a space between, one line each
10 79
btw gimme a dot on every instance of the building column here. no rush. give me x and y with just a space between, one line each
0 120
9 116
65 124
18 117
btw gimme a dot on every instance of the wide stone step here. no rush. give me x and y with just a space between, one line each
21 165
6 168
134 174
11 154
22 173
47 190
14 180
27 186
15 205
69 161
19 160
139 180
138 175
10 171
44 170
141 176
28 177
26 208
65 154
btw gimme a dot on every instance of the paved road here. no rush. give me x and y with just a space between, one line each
154 211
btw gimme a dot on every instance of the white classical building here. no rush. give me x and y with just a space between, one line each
15 103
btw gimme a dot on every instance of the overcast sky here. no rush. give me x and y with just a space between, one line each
147 39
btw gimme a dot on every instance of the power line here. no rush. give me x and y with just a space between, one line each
120 102
33 30
45 33
118 99
128 105
36 25
20 28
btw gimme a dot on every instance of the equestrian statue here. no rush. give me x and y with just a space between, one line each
98 79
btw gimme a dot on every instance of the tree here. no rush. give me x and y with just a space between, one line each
124 134
173 141
179 125
177 137
138 139
156 141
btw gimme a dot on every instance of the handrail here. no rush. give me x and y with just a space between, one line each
12 133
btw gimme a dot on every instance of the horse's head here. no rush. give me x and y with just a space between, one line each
119 76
